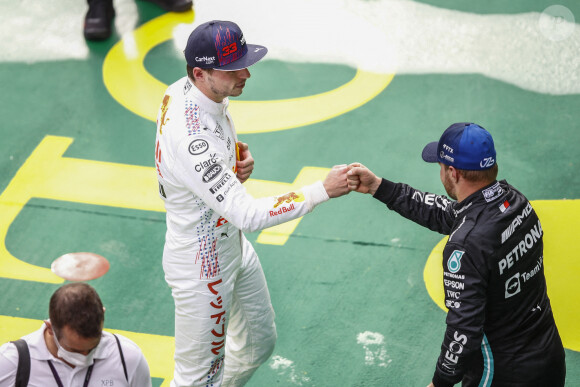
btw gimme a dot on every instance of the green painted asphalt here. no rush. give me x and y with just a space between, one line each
350 267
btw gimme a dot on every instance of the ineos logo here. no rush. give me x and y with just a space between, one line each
198 147
455 348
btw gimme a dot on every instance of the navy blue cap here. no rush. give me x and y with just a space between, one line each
463 145
221 45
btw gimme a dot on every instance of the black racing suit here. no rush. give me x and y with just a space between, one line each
500 327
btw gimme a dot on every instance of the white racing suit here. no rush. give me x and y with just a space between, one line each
224 321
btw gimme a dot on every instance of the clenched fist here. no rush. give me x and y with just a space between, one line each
361 179
335 182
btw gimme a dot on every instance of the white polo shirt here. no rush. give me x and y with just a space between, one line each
108 369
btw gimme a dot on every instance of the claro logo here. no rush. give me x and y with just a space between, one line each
211 173
455 348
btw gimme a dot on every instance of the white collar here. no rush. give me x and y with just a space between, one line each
207 104
39 350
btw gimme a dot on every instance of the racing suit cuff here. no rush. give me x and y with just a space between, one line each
315 194
385 191
438 381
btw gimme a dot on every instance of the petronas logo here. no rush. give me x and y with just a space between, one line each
454 261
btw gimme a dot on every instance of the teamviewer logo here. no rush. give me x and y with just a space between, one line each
512 286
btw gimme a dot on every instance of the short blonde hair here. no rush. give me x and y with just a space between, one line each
487 175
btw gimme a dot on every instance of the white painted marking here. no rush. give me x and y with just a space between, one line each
374 346
285 367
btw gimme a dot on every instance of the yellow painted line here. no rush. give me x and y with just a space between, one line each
560 222
133 87
125 75
269 116
47 174
157 349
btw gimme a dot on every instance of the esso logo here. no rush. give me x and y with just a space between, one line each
198 147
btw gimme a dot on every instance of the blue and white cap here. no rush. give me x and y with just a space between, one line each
463 145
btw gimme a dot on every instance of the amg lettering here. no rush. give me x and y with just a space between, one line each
529 240
515 223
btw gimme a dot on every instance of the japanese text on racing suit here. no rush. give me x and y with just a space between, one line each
216 278
500 327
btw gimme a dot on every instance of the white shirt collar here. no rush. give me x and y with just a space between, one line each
207 104
39 350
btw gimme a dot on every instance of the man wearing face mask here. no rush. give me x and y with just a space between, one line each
71 349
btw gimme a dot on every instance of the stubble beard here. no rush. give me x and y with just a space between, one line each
223 92
449 188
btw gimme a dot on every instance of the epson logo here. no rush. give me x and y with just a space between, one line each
454 284
211 173
198 147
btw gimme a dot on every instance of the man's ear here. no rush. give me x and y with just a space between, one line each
455 175
49 327
197 73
